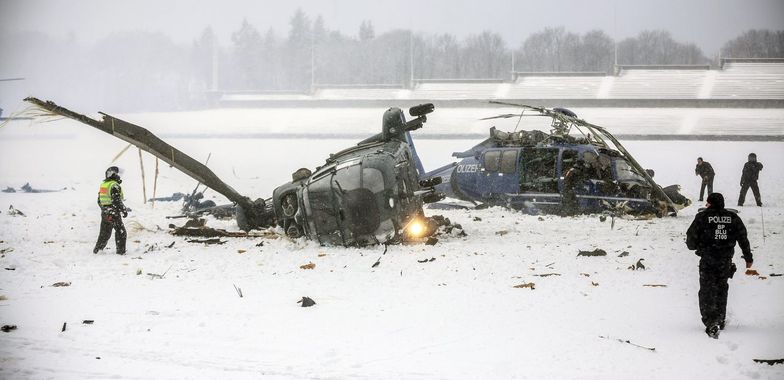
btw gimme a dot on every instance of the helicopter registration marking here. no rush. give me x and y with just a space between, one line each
468 168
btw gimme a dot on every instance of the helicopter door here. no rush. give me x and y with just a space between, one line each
539 174
501 175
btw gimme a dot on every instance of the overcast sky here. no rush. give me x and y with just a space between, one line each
708 23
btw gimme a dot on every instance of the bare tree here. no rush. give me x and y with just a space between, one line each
755 43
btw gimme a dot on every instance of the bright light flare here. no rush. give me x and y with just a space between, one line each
416 228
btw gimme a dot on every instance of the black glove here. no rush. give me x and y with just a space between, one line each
125 212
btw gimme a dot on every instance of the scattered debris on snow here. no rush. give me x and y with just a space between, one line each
207 241
638 266
628 342
13 212
307 302
769 361
595 252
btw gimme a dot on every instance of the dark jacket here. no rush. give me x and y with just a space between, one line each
574 178
704 169
750 172
714 232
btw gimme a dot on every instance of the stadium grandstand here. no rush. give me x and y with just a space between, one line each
743 99
745 83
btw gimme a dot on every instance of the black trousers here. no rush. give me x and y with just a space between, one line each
754 189
713 290
706 183
111 221
569 204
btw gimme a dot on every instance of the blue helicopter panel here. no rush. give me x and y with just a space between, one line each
527 170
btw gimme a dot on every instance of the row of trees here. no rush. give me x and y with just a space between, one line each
312 54
147 71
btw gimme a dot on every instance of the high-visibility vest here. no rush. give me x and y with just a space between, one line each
105 192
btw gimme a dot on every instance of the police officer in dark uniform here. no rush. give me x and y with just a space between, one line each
110 200
713 234
749 179
705 171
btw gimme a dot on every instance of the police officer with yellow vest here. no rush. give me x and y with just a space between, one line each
110 199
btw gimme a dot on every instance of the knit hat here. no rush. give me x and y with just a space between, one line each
716 200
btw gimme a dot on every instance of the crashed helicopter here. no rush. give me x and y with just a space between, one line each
526 170
363 195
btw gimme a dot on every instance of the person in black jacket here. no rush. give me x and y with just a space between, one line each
713 233
749 179
705 171
573 180
110 200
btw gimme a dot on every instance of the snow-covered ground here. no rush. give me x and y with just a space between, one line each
458 316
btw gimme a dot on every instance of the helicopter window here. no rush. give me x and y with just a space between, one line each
320 202
626 172
491 160
508 161
568 158
539 174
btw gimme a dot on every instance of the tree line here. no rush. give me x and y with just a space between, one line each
132 71
313 55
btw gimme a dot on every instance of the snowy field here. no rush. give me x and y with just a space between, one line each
457 317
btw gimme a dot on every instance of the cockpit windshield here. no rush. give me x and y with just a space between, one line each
626 173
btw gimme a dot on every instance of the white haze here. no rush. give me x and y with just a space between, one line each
135 56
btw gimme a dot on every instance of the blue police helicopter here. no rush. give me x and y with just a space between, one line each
577 168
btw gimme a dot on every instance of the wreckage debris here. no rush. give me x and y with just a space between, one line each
195 223
88 322
529 285
26 188
307 302
628 342
307 266
638 266
207 241
8 328
204 232
595 252
13 211
215 232
769 362
61 284
173 198
430 260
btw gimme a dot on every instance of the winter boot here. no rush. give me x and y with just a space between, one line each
713 331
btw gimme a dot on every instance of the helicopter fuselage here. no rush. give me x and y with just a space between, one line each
531 178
